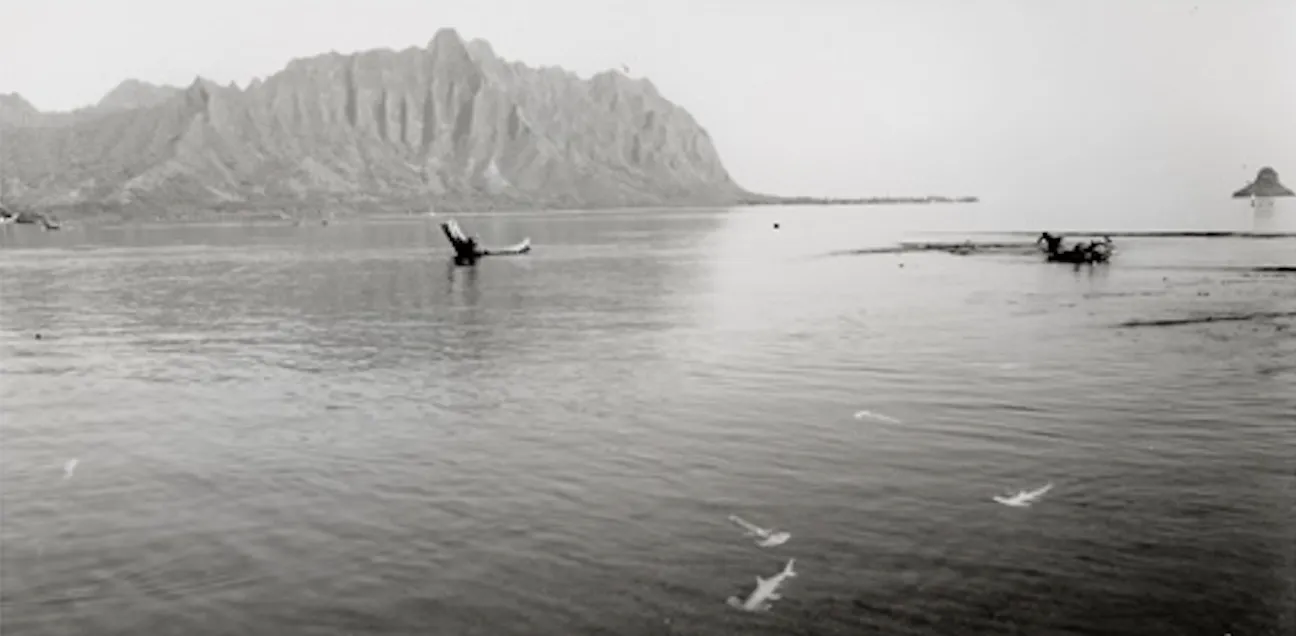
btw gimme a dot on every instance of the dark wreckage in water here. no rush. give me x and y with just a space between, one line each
468 251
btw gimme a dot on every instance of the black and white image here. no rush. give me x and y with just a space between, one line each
648 317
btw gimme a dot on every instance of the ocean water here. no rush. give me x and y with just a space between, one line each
331 430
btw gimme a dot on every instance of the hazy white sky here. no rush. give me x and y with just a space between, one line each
1010 99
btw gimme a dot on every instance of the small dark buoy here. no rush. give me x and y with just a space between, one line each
776 226
38 336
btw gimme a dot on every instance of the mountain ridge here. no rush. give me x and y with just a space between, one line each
450 123
132 93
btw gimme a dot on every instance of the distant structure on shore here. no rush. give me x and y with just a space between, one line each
1266 184
1265 215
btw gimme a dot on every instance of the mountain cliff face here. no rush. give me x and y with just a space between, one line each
450 124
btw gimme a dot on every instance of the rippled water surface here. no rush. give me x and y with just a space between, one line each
330 430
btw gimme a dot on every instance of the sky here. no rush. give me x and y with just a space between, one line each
1098 102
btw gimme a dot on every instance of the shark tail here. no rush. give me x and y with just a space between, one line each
734 601
788 568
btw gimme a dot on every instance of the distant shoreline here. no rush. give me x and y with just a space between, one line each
857 201
96 213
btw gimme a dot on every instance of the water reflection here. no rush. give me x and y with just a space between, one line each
462 282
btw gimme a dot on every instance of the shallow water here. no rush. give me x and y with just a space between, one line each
329 430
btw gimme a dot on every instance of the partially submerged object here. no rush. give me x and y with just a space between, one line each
27 217
765 592
521 247
467 250
1079 253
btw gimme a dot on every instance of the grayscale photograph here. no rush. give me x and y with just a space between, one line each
647 317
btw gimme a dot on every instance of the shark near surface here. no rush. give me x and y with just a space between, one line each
765 537
765 592
1024 498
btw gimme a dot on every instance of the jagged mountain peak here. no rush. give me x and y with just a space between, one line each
202 85
451 122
